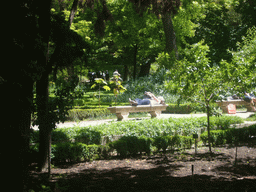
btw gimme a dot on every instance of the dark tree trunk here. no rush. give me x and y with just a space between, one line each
145 69
135 61
126 72
169 34
44 120
17 99
208 127
70 68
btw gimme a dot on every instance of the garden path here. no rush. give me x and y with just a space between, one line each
163 115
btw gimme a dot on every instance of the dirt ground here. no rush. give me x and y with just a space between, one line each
178 171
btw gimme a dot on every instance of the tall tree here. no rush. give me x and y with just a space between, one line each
68 46
136 39
26 47
166 9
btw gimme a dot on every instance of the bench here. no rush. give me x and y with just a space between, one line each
224 105
122 112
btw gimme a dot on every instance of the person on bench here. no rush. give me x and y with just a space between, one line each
249 98
149 99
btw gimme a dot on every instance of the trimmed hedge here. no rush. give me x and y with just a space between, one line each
132 145
72 152
163 142
179 109
80 114
230 136
149 128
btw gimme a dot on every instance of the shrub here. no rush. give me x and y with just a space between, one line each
87 136
186 142
81 114
224 122
131 145
252 130
90 151
104 150
179 109
62 152
161 142
176 141
218 137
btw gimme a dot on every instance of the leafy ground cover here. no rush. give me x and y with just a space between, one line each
221 171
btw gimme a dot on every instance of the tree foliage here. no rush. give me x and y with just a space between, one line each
196 80
241 70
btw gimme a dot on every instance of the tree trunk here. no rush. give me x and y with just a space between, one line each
73 12
208 127
126 72
44 120
144 69
70 68
135 61
169 34
15 130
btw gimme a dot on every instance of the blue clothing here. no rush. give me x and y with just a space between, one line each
247 98
142 101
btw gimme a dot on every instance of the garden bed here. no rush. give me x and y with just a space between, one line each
173 172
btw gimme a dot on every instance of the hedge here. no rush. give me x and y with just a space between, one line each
230 136
81 114
149 128
179 109
132 145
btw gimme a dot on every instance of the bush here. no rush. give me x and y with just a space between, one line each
176 141
179 109
71 152
132 145
162 142
186 142
218 137
229 136
104 150
81 114
87 136
224 122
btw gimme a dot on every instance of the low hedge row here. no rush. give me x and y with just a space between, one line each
163 142
132 145
103 133
230 136
179 109
62 152
81 114
126 145
73 152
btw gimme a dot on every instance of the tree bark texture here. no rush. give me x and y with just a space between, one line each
169 34
44 120
73 12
